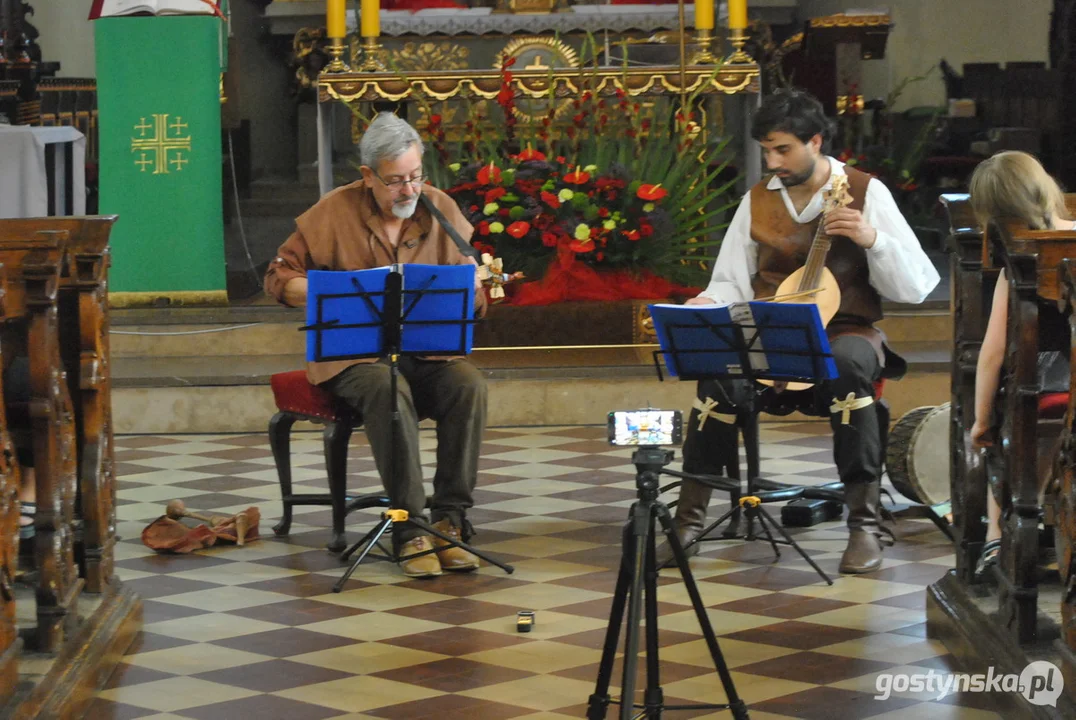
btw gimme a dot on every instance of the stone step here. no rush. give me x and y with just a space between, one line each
273 330
214 394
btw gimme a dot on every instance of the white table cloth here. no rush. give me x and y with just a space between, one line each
26 178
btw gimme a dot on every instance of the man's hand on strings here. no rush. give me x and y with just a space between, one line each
851 224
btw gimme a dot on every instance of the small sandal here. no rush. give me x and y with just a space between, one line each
28 510
988 558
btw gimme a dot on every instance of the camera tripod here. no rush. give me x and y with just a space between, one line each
636 587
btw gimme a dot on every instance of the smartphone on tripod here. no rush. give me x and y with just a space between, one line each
647 427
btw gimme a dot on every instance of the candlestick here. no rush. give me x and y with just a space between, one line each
737 14
336 56
370 21
370 51
738 38
704 14
703 56
336 18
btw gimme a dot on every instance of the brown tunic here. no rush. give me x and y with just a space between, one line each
343 231
783 245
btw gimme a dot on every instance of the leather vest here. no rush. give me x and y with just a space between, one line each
783 244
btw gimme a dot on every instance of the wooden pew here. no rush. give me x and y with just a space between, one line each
1065 473
1031 260
82 307
10 644
972 287
55 308
34 263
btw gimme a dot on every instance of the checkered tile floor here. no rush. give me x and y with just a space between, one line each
255 632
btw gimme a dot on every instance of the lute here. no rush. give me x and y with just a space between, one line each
814 283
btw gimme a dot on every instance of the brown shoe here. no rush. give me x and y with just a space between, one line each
453 558
420 567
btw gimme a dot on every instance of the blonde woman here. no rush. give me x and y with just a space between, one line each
1010 187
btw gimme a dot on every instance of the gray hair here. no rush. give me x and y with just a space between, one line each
387 138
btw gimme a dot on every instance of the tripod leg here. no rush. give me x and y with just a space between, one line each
698 538
736 704
374 536
599 700
752 514
638 540
654 698
764 519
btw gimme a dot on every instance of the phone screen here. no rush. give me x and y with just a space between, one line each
645 427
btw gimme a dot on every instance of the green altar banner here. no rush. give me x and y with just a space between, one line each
158 87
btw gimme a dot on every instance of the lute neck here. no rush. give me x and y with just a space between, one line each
816 259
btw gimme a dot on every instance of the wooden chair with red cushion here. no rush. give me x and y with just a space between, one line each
297 399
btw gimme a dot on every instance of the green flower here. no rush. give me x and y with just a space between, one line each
565 195
590 169
590 212
609 224
549 185
582 231
490 209
510 198
516 212
648 207
496 228
454 167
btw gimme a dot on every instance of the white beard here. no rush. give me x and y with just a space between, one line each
405 210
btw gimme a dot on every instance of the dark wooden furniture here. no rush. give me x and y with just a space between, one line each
54 311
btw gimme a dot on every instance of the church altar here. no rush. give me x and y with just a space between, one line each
288 17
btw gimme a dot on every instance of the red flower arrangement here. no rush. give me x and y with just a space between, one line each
546 218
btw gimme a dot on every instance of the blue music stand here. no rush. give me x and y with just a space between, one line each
386 313
754 341
751 341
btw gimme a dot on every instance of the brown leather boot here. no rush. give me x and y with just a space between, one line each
864 551
689 521
425 566
452 558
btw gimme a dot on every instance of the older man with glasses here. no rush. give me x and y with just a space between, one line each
373 222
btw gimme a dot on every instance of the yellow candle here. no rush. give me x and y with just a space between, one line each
737 14
704 14
371 18
336 18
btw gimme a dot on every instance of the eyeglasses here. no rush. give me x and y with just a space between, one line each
399 184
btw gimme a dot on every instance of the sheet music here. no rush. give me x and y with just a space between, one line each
707 341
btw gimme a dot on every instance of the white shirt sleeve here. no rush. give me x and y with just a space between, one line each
899 269
737 260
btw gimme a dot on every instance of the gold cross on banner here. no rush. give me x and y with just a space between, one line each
161 144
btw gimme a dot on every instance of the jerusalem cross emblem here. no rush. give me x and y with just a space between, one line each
161 144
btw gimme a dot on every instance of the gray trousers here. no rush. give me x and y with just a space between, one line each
452 393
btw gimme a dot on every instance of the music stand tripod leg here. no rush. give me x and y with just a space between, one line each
733 512
373 537
765 520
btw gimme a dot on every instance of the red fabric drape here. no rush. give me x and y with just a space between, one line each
579 281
